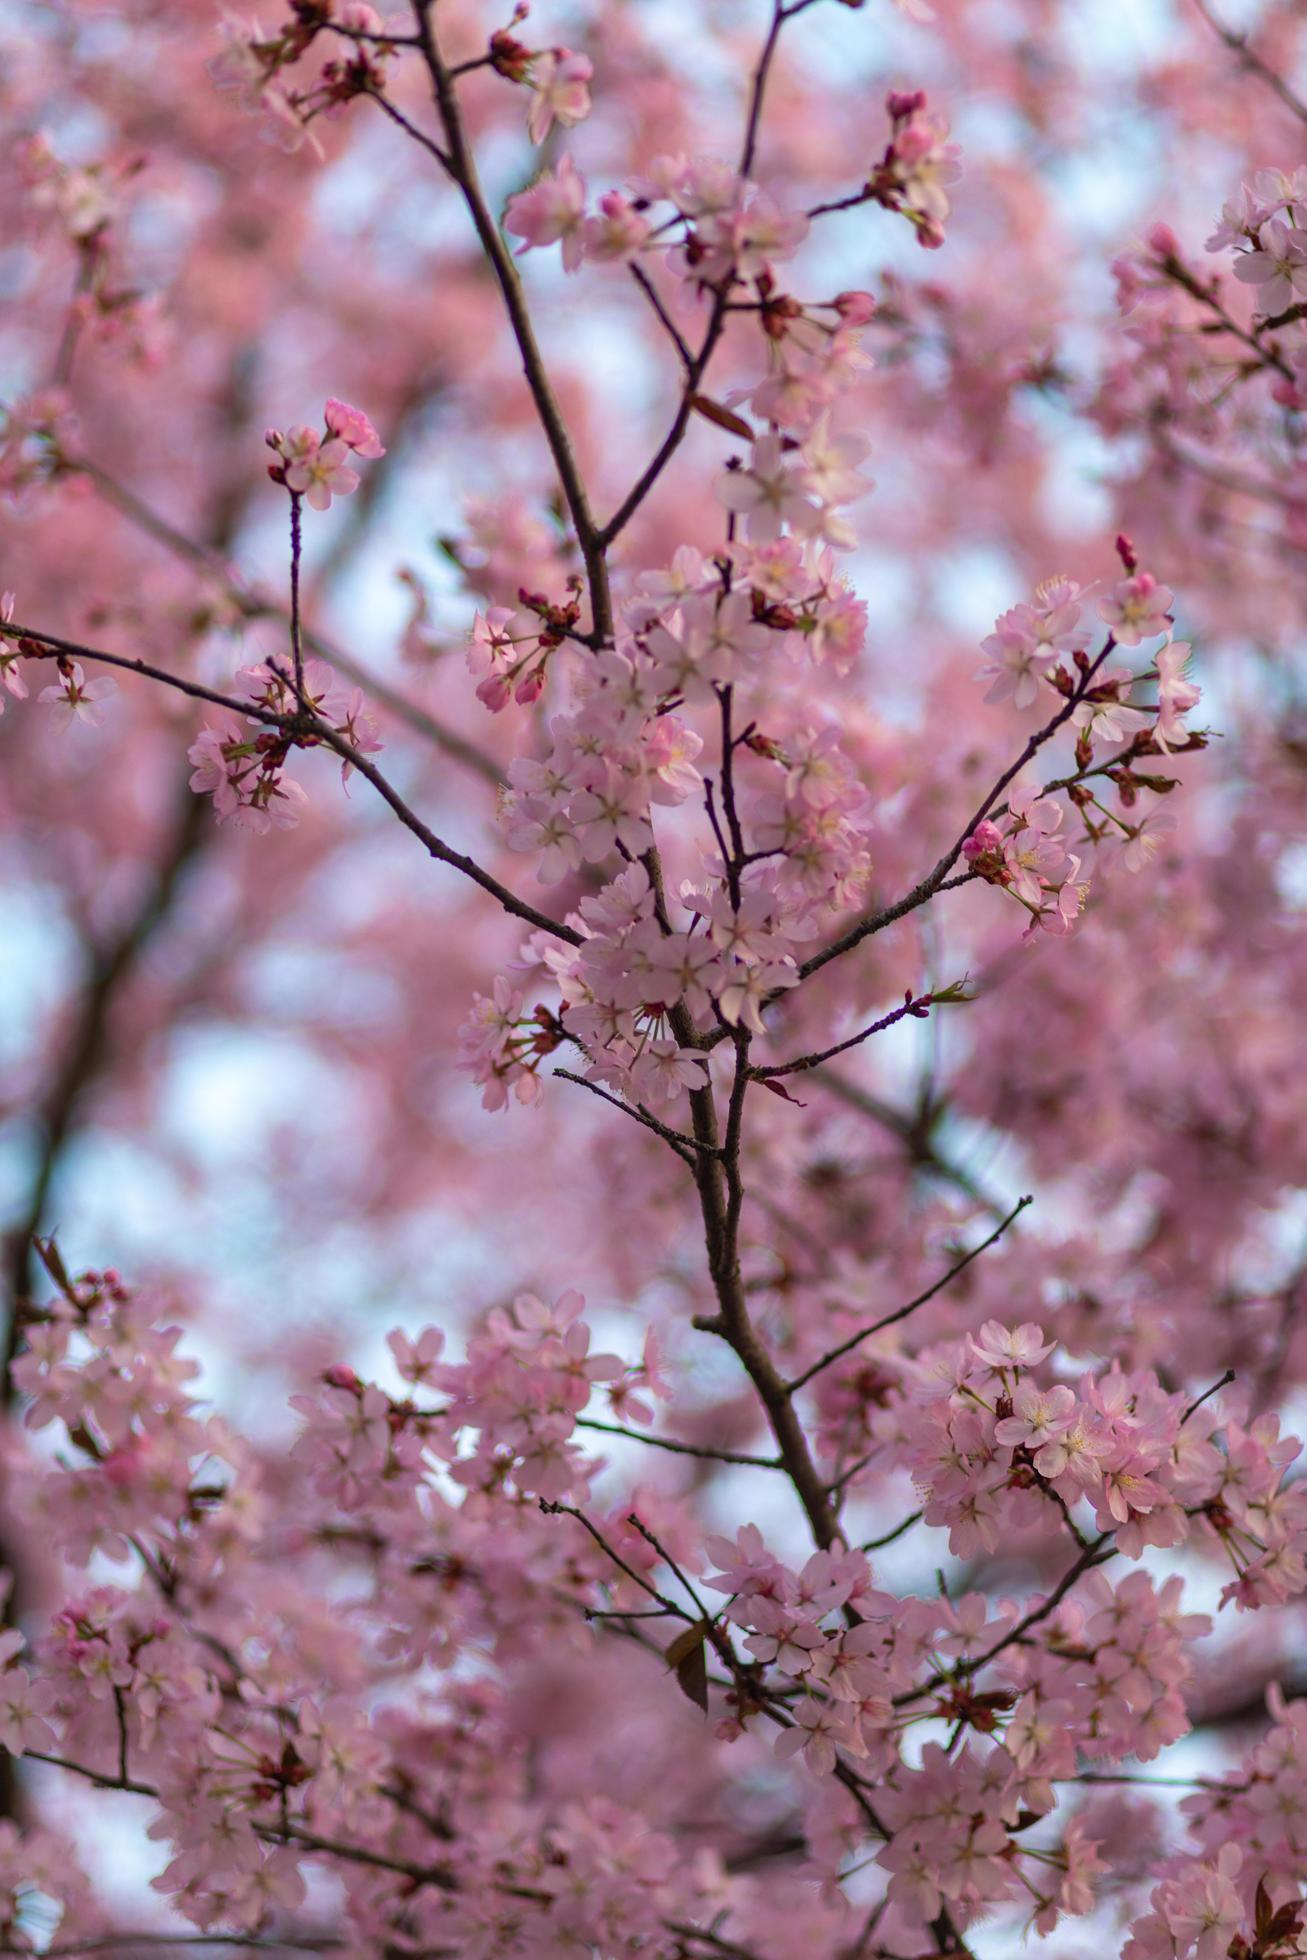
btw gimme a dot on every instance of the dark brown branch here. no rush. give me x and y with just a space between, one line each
320 732
255 605
917 1007
681 1449
460 165
683 1146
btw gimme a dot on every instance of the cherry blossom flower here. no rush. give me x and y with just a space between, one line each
77 699
1138 609
561 83
551 212
1175 695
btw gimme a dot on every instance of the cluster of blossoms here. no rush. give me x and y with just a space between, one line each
1200 350
515 1401
242 766
802 830
918 165
992 1447
722 232
258 66
256 1767
316 467
254 1729
1242 1892
1267 229
262 68
1042 646
388 1668
86 202
559 78
785 848
75 696
1098 1673
244 771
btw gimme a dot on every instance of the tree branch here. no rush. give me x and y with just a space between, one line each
901 1313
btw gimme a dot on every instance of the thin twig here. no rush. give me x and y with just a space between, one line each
254 605
1253 62
873 922
918 1007
1225 1380
901 1313
681 1449
684 1146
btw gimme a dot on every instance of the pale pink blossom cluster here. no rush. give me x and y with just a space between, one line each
918 168
425 1673
316 467
241 764
1264 228
694 642
1041 651
993 1446
802 814
723 232
258 1737
1245 1883
1031 861
260 67
240 1702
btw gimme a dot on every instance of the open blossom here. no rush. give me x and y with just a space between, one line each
560 80
1175 695
1137 609
1105 714
1038 1416
1002 1347
353 428
1276 266
24 1706
316 469
76 698
507 655
1027 639
1033 855
770 493
617 231
918 167
550 212
315 466
11 674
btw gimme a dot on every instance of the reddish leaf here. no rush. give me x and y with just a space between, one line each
689 1663
725 418
779 1089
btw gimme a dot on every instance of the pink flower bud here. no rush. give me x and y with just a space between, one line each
854 308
